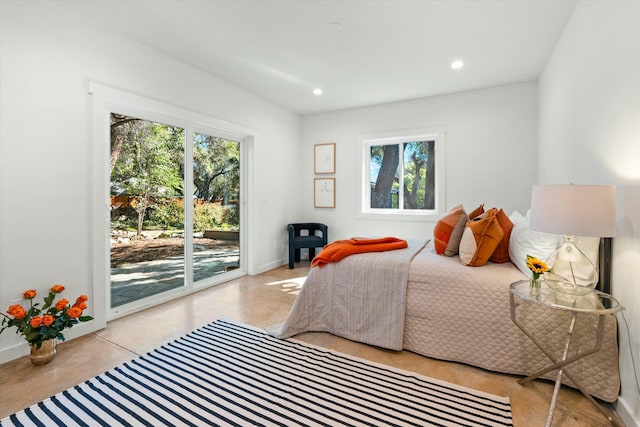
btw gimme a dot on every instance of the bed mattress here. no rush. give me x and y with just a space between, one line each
462 314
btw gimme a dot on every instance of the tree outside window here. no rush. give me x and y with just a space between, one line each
402 174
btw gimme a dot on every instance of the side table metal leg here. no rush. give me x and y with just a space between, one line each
604 305
556 388
561 364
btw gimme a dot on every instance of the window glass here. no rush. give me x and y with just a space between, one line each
149 241
400 175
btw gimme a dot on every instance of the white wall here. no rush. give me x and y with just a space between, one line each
589 122
46 60
589 131
490 154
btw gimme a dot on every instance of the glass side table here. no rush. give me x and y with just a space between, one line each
597 303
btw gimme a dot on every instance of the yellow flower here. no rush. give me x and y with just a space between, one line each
536 265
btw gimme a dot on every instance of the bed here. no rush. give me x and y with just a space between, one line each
417 300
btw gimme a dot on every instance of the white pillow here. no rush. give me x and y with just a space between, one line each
524 241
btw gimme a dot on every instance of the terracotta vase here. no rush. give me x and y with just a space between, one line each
44 354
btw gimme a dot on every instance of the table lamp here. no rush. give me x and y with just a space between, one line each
573 210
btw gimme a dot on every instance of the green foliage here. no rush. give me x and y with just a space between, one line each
231 217
415 179
148 166
127 221
167 213
213 216
207 216
216 168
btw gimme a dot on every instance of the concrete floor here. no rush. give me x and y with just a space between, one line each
261 301
131 282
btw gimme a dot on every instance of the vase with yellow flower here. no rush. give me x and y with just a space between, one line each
42 326
537 267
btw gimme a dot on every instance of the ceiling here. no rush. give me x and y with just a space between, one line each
383 50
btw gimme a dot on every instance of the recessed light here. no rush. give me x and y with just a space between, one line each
334 26
457 64
317 91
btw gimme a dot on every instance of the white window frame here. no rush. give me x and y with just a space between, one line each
104 101
398 137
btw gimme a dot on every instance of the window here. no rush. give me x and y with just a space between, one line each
402 175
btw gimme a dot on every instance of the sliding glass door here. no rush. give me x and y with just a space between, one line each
216 209
174 208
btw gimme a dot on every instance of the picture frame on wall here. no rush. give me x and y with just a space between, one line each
324 157
324 192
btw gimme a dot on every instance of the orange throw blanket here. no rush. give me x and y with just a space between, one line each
341 249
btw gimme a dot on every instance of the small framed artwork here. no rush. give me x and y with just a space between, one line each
324 193
324 157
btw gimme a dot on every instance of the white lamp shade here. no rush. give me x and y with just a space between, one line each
577 210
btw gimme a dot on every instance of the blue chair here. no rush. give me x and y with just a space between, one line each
309 235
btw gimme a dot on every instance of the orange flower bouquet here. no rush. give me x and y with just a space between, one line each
38 324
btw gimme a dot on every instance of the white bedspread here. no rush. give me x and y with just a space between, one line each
361 298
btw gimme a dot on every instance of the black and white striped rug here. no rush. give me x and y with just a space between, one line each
232 374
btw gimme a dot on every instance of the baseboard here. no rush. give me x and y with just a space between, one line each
15 351
22 348
269 266
622 408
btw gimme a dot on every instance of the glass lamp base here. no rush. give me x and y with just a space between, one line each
572 272
565 287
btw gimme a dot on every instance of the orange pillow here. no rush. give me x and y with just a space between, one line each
480 239
476 212
448 231
501 254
